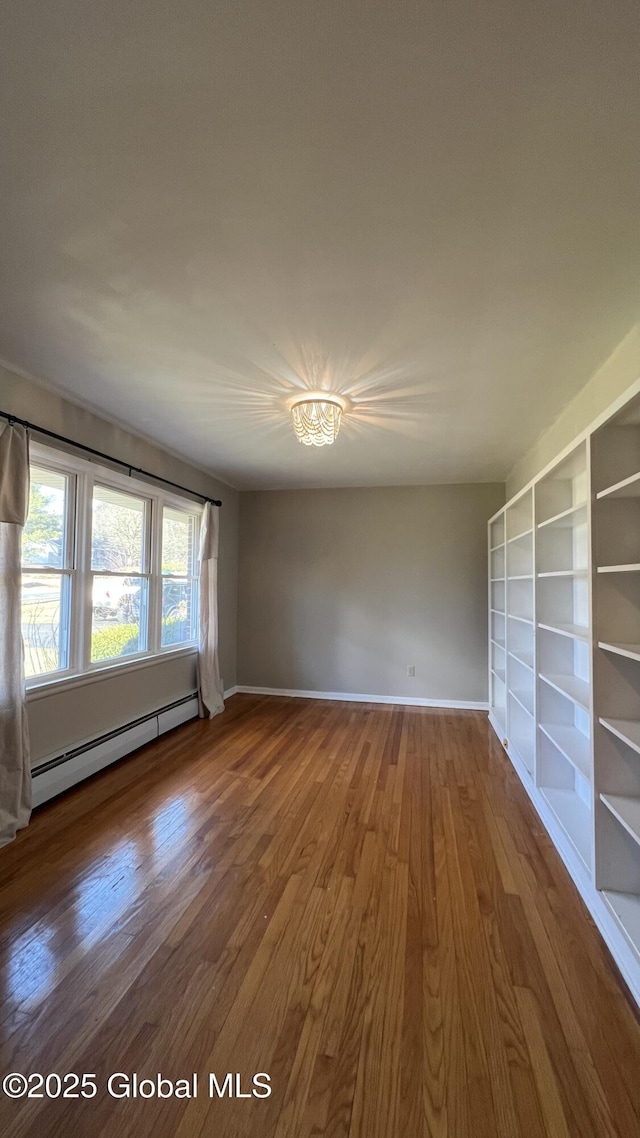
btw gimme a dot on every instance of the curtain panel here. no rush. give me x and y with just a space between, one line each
15 767
210 694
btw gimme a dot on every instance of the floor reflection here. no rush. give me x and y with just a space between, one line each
105 890
171 823
30 967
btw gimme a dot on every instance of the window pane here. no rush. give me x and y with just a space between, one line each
44 532
45 623
179 611
119 617
117 531
178 541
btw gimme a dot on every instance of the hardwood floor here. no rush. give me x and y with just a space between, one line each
357 900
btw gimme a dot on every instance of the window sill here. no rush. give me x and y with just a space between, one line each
67 683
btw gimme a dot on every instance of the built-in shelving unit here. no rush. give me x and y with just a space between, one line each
616 582
565 593
497 624
520 617
564 772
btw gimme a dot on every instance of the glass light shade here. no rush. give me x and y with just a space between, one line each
316 422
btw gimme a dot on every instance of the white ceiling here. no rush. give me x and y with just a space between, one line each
430 207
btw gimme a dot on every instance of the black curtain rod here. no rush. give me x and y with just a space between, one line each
109 457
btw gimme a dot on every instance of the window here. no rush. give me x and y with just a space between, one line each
120 574
47 553
110 569
179 581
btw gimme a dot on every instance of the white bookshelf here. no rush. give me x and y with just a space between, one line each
616 583
497 624
520 634
565 769
564 567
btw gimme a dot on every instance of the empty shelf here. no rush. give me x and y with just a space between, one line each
571 743
495 547
564 573
633 568
568 517
498 643
631 651
525 699
626 729
498 673
575 818
517 616
575 689
626 810
496 580
627 488
519 536
575 631
520 577
523 657
626 909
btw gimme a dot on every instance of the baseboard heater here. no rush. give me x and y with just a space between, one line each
58 774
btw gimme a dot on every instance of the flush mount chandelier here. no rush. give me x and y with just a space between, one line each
316 418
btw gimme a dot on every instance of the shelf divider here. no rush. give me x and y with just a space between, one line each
524 699
631 651
628 730
574 631
570 686
571 743
565 573
634 568
519 536
627 812
565 516
627 488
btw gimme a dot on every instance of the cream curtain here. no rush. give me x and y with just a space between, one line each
15 769
210 695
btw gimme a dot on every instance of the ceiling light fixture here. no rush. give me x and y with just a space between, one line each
316 418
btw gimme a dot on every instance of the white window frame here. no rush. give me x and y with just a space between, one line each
191 577
83 474
88 573
68 567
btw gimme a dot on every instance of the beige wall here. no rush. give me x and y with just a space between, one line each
59 721
611 380
340 590
63 720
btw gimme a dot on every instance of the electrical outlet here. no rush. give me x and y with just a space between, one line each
411 669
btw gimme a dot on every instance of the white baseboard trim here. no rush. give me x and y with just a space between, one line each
352 697
615 940
231 691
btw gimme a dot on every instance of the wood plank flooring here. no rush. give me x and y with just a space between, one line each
357 900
